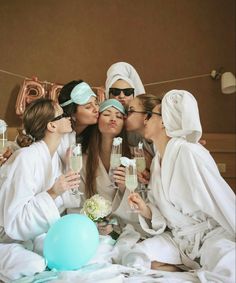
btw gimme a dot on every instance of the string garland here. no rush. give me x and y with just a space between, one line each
148 84
23 77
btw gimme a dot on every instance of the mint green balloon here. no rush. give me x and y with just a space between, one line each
70 242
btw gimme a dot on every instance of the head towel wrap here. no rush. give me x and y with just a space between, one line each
126 72
181 116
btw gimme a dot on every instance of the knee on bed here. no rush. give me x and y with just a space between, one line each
18 262
136 259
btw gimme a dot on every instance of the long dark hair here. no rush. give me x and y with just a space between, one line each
93 153
71 109
64 96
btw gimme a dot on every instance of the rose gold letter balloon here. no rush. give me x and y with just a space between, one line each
54 92
29 91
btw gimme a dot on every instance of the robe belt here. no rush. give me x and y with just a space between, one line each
194 229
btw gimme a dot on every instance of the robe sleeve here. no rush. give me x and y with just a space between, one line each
28 210
208 191
157 225
70 200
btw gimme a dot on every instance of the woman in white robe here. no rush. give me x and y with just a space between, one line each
191 209
33 191
80 103
96 164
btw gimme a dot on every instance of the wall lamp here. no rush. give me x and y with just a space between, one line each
228 81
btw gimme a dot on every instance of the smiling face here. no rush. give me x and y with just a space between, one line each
136 116
154 126
122 98
111 122
87 114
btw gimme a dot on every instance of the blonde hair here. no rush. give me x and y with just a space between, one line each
148 101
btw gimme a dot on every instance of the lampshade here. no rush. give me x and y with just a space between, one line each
228 83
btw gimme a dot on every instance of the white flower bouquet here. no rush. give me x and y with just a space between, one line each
97 208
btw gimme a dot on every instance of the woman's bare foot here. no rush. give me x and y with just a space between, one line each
164 266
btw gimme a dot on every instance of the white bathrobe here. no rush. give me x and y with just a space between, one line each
193 214
193 208
26 209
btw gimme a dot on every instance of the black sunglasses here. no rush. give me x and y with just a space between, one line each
63 115
117 91
134 111
150 113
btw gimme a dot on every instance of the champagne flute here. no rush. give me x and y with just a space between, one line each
116 153
3 142
75 162
131 179
139 156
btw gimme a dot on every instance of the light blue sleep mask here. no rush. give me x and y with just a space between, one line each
112 103
80 95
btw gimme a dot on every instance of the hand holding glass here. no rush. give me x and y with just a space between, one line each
75 162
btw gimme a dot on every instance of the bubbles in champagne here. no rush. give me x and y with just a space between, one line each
3 145
76 163
131 182
115 160
140 164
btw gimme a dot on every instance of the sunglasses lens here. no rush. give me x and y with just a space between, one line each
128 91
66 115
149 115
114 91
117 91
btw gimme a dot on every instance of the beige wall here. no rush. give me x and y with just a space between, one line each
58 41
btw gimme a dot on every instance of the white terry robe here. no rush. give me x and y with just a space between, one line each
126 72
26 209
193 208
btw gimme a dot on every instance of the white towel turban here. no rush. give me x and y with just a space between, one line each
126 72
181 116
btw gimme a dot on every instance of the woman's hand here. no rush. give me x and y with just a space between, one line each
64 183
136 201
119 177
5 156
104 228
144 177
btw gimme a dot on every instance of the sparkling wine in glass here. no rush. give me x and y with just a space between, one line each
131 179
116 153
75 162
3 142
139 156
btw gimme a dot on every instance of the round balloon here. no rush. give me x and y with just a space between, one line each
71 242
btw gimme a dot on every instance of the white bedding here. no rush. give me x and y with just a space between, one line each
101 269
